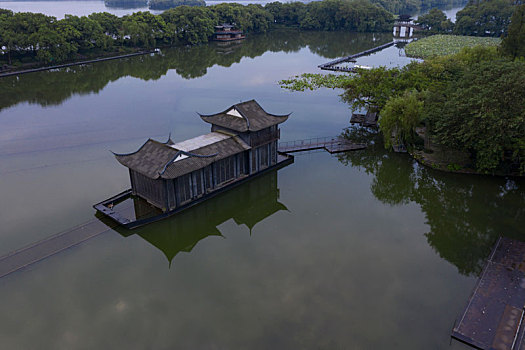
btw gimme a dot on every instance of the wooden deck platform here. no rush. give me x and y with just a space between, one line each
367 120
494 316
331 144
129 217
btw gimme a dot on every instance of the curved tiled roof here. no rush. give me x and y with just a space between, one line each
244 116
155 159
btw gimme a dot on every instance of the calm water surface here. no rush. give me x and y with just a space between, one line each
366 250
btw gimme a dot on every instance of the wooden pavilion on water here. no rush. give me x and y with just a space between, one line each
227 32
169 177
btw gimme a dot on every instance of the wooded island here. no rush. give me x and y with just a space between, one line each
459 112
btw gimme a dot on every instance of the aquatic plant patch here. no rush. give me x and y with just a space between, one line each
441 45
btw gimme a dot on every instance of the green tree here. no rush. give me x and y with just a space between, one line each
7 35
24 26
85 32
435 21
484 18
484 112
53 47
293 13
111 25
144 29
258 18
514 43
189 25
399 118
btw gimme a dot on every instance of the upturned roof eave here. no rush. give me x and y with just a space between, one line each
189 155
207 118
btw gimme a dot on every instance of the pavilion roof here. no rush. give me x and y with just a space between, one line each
225 25
169 160
244 116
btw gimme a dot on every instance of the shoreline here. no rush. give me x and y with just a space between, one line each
436 165
77 63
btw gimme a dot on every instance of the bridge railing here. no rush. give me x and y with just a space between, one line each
309 142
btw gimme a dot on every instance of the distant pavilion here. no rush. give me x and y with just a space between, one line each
227 32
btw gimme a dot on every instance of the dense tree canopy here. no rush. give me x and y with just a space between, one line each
477 18
359 15
484 18
400 116
435 21
473 102
29 37
514 44
188 25
484 111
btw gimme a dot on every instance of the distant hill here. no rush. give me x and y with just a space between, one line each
126 3
167 4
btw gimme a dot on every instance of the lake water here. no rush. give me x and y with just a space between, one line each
365 250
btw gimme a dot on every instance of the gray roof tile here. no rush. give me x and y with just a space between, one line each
156 159
252 117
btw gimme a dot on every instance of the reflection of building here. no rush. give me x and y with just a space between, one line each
172 176
227 47
227 32
248 204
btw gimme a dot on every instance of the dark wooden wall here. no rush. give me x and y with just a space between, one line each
168 194
154 191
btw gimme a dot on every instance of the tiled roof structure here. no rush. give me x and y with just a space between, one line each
169 160
244 116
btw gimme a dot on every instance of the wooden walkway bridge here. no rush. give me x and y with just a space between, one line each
332 64
50 246
331 144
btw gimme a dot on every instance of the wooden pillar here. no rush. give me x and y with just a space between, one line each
204 181
176 191
167 195
133 191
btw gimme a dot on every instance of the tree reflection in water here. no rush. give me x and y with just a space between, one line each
54 87
465 213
